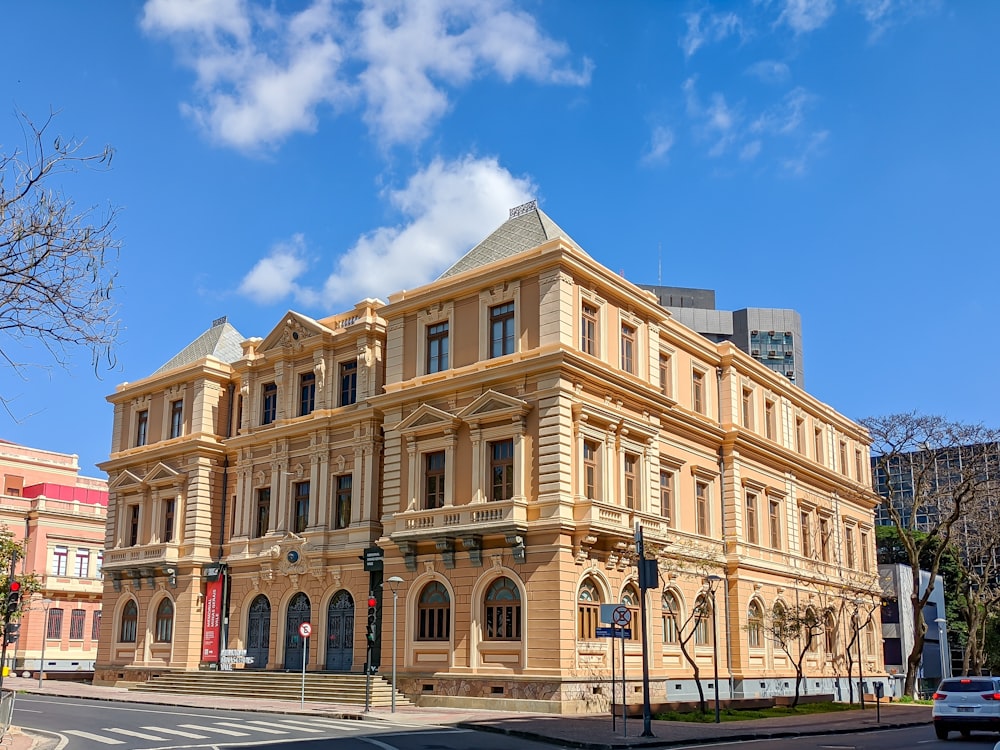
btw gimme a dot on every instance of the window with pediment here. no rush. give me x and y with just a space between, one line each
496 423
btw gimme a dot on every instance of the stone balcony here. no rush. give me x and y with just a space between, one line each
140 556
501 517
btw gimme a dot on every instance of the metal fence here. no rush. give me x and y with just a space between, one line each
6 710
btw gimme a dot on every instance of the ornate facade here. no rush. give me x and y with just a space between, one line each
498 434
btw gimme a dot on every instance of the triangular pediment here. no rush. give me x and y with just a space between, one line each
293 330
162 474
493 405
124 481
427 419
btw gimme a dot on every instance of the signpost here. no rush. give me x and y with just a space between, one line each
617 615
305 629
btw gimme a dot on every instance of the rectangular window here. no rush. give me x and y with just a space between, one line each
631 480
307 393
437 347
342 502
348 382
502 329
770 428
824 540
60 557
843 458
849 546
588 329
263 511
77 619
590 475
100 563
774 523
667 497
665 375
133 527
747 415
54 629
95 628
169 506
176 418
434 466
859 472
805 529
865 564
698 391
628 348
818 444
82 568
301 504
800 435
502 470
269 403
142 428
751 519
701 508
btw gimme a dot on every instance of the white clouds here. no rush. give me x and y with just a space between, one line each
803 16
447 207
770 71
263 75
796 166
714 27
661 141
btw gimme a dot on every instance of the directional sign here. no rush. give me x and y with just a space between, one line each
613 633
305 629
621 616
373 558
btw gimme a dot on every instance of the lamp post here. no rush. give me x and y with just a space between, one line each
711 582
46 604
394 582
943 646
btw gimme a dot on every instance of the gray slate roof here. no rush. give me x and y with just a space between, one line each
527 227
221 341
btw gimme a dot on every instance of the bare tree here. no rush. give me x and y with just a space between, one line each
57 262
929 472
795 629
977 539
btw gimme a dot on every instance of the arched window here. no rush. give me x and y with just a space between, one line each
755 625
503 611
702 621
130 618
165 621
671 617
630 598
588 608
434 613
830 632
810 628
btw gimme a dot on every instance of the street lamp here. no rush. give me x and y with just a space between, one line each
711 582
394 582
943 646
46 605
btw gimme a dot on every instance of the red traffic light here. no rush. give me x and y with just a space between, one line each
15 586
372 601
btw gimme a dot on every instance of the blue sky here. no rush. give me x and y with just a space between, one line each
838 157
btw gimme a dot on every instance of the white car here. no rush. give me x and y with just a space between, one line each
962 704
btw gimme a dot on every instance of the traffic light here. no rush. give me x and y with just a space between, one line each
11 632
372 617
12 603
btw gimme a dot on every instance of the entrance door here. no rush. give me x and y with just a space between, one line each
259 633
299 612
340 633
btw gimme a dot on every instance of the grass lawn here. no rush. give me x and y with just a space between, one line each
732 714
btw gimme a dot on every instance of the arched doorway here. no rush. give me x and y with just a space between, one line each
340 633
259 633
299 611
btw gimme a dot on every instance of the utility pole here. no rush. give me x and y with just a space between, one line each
11 600
648 579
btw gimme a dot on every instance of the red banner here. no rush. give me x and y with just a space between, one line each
212 630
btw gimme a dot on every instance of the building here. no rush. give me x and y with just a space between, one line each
492 439
60 517
772 336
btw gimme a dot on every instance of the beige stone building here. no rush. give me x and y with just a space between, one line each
498 434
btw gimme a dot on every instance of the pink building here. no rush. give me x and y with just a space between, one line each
61 516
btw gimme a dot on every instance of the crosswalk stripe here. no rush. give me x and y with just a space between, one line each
202 728
267 729
294 725
130 733
95 737
353 724
178 732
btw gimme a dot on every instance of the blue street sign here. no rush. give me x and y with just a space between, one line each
614 633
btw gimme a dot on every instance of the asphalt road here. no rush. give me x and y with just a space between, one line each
78 724
912 738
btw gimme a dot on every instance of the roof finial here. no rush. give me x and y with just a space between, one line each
524 208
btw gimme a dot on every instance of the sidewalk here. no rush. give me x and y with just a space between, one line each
590 732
